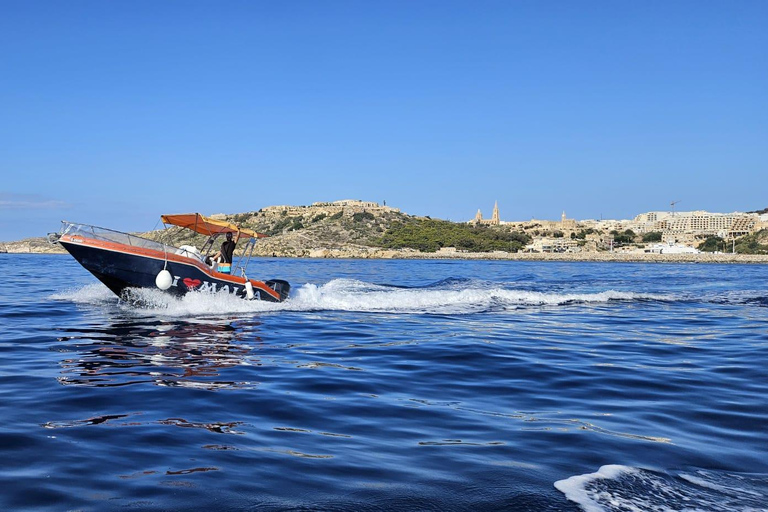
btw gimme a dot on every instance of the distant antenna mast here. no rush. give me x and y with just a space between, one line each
672 204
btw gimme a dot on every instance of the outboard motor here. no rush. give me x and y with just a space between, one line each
280 286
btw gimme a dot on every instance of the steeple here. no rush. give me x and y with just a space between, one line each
495 217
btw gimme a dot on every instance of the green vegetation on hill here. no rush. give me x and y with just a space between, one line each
430 235
756 243
624 237
712 244
652 236
362 216
582 234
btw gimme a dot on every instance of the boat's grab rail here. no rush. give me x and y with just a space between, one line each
110 235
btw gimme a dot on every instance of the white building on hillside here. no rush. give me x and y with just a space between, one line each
698 222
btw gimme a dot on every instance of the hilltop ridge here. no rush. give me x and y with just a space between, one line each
347 226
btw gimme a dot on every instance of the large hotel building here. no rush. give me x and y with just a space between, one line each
726 225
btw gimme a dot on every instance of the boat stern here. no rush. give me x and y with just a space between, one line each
280 286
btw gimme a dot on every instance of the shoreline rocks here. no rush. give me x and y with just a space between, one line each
349 251
378 253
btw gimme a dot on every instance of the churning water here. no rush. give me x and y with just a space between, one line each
389 385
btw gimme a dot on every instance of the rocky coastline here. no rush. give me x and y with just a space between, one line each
375 253
278 248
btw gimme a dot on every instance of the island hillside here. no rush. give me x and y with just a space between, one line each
356 229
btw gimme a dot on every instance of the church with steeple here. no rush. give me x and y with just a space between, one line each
564 223
493 221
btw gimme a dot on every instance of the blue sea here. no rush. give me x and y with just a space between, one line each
389 385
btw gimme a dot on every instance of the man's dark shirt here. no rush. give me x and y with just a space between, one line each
227 250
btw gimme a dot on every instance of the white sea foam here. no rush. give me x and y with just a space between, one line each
704 479
628 489
576 488
351 295
89 294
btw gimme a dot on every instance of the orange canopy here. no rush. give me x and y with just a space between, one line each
207 225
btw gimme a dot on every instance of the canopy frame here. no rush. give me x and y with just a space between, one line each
213 228
207 225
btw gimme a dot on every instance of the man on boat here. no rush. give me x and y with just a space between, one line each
224 256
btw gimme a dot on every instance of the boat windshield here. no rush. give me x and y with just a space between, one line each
110 235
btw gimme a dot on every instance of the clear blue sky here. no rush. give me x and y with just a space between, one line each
114 112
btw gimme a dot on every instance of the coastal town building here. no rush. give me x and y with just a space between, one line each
331 208
566 223
698 223
551 244
682 228
355 203
670 248
762 222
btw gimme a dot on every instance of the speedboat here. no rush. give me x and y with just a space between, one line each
123 261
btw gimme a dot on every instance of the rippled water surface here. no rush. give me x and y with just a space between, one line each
389 385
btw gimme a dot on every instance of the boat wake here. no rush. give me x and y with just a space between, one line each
445 297
616 488
450 296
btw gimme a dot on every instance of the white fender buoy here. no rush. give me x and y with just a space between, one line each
164 280
248 290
